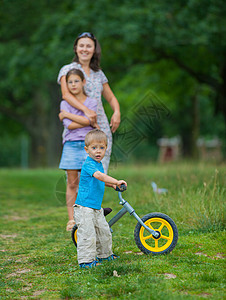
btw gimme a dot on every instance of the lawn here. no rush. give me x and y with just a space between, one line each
38 258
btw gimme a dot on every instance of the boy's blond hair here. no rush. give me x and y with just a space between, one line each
95 135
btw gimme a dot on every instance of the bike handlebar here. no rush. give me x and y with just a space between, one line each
122 188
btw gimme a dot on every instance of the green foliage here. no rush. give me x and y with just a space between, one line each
174 49
10 151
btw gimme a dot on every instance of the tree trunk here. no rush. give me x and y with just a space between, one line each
195 126
190 131
45 129
54 146
38 130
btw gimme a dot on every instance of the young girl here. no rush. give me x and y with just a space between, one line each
77 125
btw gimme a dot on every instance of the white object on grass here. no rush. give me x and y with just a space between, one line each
158 190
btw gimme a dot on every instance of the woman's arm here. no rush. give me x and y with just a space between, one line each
66 95
110 97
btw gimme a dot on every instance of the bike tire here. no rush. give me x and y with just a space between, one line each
167 240
74 235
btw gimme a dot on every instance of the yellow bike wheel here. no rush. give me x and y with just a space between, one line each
168 234
74 235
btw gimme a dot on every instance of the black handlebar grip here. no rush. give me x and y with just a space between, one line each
122 188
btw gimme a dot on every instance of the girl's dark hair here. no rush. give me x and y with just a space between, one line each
78 73
75 72
95 60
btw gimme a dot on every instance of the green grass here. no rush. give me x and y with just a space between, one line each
38 258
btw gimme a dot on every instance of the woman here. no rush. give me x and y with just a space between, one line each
87 59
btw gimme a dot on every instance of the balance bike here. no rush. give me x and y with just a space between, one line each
155 233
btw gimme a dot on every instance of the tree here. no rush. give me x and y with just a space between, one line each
191 35
37 39
29 93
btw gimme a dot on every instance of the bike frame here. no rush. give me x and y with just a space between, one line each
128 208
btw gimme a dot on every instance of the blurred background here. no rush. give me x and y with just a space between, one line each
165 62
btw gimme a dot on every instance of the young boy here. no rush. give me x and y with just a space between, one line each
94 240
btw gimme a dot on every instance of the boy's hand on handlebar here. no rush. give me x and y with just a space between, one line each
114 186
120 182
122 187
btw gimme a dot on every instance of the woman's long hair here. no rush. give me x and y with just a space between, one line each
95 60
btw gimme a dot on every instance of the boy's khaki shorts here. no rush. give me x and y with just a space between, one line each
94 237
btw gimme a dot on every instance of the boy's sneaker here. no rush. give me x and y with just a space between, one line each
89 265
111 257
107 211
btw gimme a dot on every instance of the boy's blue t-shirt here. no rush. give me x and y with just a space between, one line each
91 190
